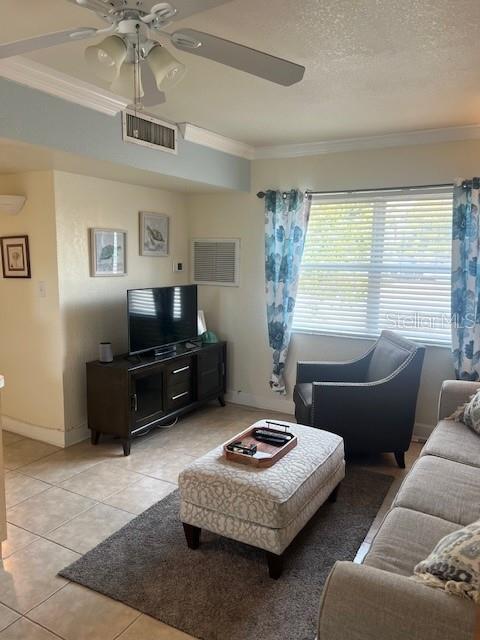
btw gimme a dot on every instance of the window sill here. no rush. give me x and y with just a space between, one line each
364 336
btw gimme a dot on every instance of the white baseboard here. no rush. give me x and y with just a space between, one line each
57 437
273 403
36 432
77 435
422 431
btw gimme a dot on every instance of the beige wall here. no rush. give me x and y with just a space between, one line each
94 309
238 313
30 357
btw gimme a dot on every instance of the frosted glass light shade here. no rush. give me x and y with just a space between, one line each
166 69
106 59
125 83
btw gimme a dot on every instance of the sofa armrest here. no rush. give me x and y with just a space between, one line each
364 603
453 394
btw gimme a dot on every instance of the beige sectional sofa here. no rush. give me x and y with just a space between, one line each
379 599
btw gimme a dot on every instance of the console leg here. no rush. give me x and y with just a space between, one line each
400 458
221 400
275 565
333 496
126 446
192 534
94 436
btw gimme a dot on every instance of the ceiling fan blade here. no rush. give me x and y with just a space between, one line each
186 8
152 96
43 42
238 56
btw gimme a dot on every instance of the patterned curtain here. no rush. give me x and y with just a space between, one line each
466 280
286 221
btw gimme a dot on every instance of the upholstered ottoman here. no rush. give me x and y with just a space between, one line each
262 507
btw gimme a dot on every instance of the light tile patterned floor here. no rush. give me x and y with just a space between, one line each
61 503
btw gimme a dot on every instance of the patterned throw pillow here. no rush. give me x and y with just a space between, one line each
471 413
454 564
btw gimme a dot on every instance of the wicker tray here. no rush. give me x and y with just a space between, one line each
267 455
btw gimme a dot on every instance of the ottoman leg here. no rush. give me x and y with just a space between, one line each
275 565
192 534
333 496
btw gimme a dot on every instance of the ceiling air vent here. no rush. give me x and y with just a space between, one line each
149 132
216 261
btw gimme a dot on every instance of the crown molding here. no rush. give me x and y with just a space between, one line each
38 76
197 135
425 136
43 78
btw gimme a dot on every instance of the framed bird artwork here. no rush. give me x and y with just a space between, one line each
153 234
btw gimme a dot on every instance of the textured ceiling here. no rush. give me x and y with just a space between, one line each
373 66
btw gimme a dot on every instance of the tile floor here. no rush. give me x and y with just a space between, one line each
63 502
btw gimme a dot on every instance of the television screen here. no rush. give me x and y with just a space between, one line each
161 316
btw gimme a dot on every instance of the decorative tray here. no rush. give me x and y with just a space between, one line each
266 455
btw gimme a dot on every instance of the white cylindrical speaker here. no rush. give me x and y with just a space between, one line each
105 353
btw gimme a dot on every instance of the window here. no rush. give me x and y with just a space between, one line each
378 260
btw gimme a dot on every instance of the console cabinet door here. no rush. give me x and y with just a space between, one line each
147 397
210 373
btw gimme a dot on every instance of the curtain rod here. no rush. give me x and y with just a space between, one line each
310 192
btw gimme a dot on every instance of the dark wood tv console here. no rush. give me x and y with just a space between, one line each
132 394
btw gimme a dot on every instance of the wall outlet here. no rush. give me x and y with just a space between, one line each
177 266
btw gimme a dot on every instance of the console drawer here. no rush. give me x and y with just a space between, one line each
179 372
178 397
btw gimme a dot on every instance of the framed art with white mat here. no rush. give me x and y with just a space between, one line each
154 233
108 252
15 257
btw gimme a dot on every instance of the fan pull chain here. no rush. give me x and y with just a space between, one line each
136 79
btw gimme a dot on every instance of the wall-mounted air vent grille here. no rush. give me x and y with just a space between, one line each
149 132
216 261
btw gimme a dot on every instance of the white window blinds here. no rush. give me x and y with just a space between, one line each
378 260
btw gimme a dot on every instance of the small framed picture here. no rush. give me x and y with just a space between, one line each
153 234
15 257
108 252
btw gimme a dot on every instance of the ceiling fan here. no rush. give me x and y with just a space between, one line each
133 53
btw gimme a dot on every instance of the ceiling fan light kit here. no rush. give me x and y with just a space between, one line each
134 37
168 71
106 59
124 84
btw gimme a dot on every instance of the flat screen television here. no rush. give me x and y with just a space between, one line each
160 317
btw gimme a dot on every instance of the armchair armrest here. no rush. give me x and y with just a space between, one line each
365 603
349 371
453 394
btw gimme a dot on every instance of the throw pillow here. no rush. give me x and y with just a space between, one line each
469 413
454 564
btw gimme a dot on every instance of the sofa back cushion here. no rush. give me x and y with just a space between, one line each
390 352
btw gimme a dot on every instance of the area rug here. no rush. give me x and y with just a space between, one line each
222 590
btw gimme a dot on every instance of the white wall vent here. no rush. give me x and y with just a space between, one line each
147 131
216 261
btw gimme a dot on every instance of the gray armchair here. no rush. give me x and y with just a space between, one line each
370 401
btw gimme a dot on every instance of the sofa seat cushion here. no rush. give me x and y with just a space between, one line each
273 496
405 538
442 488
454 441
302 397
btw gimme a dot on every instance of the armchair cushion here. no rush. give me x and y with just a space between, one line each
390 352
302 397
